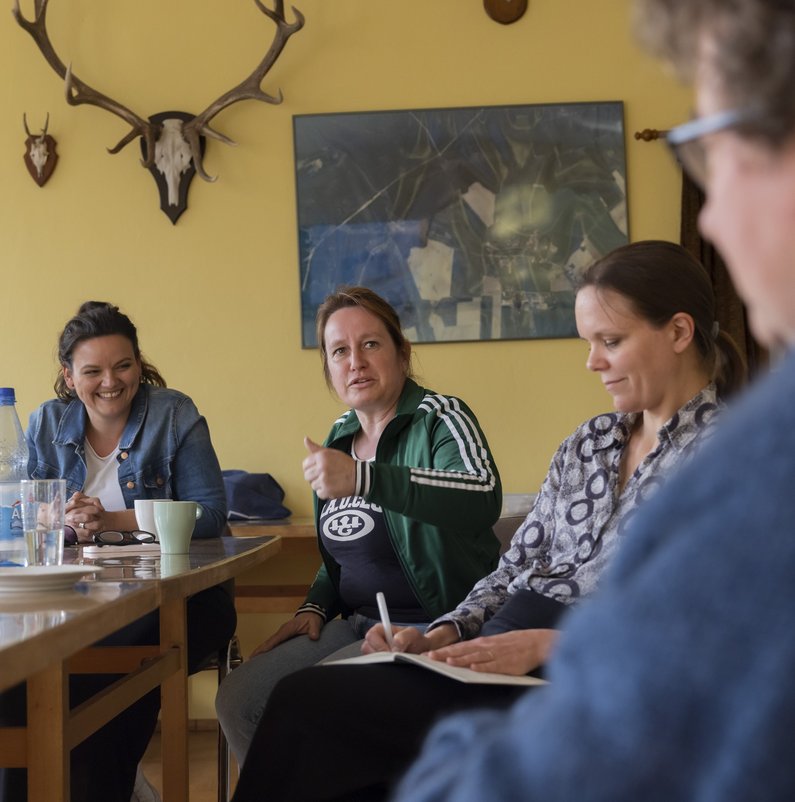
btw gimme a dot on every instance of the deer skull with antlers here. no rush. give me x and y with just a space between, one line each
40 155
172 142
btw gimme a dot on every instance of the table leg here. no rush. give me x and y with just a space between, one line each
48 755
174 704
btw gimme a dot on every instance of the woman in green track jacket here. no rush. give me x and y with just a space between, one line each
406 492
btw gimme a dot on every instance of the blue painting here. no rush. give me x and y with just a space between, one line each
474 223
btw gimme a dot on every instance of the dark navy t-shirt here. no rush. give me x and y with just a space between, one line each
354 532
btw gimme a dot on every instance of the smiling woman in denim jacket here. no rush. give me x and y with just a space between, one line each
116 434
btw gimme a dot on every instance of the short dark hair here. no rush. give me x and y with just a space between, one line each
99 319
754 60
661 279
372 302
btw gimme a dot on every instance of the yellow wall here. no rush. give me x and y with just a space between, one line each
216 297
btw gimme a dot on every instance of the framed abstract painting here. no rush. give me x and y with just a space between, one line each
474 223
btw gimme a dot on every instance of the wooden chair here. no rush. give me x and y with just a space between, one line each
227 659
224 662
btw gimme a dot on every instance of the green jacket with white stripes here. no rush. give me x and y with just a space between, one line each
440 491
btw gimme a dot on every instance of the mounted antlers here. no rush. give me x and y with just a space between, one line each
249 89
40 156
184 136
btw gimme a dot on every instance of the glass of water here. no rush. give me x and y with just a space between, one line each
43 506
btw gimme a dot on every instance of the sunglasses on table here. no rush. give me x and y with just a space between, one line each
112 537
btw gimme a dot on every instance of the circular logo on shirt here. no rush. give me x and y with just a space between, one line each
347 525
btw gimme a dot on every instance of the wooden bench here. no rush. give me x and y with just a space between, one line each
299 541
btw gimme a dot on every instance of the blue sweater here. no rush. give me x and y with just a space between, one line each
675 682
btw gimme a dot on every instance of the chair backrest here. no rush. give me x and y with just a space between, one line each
505 529
515 507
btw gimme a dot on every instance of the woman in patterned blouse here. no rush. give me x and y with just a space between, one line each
647 314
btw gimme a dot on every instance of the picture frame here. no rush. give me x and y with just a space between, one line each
475 223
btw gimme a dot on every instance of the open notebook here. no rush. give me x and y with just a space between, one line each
454 672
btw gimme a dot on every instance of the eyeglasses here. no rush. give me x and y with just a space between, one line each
111 537
686 140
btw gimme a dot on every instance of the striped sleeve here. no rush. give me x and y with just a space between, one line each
478 474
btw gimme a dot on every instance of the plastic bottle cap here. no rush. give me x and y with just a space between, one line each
7 396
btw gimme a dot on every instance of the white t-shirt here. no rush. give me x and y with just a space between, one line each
102 479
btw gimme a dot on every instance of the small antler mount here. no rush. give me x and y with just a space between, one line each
40 156
172 143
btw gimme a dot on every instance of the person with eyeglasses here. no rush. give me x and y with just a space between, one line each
116 433
675 681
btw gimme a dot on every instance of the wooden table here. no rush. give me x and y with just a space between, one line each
47 636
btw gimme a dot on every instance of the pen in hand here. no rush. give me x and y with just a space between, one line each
385 622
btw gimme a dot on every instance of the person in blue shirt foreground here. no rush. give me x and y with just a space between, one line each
675 681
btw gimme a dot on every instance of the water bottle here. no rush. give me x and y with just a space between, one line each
13 467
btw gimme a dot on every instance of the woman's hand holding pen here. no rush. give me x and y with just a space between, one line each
514 653
409 639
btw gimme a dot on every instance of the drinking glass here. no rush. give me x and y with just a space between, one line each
43 507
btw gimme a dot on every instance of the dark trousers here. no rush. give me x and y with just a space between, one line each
103 766
349 732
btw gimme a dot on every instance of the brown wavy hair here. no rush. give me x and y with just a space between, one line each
99 319
347 296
